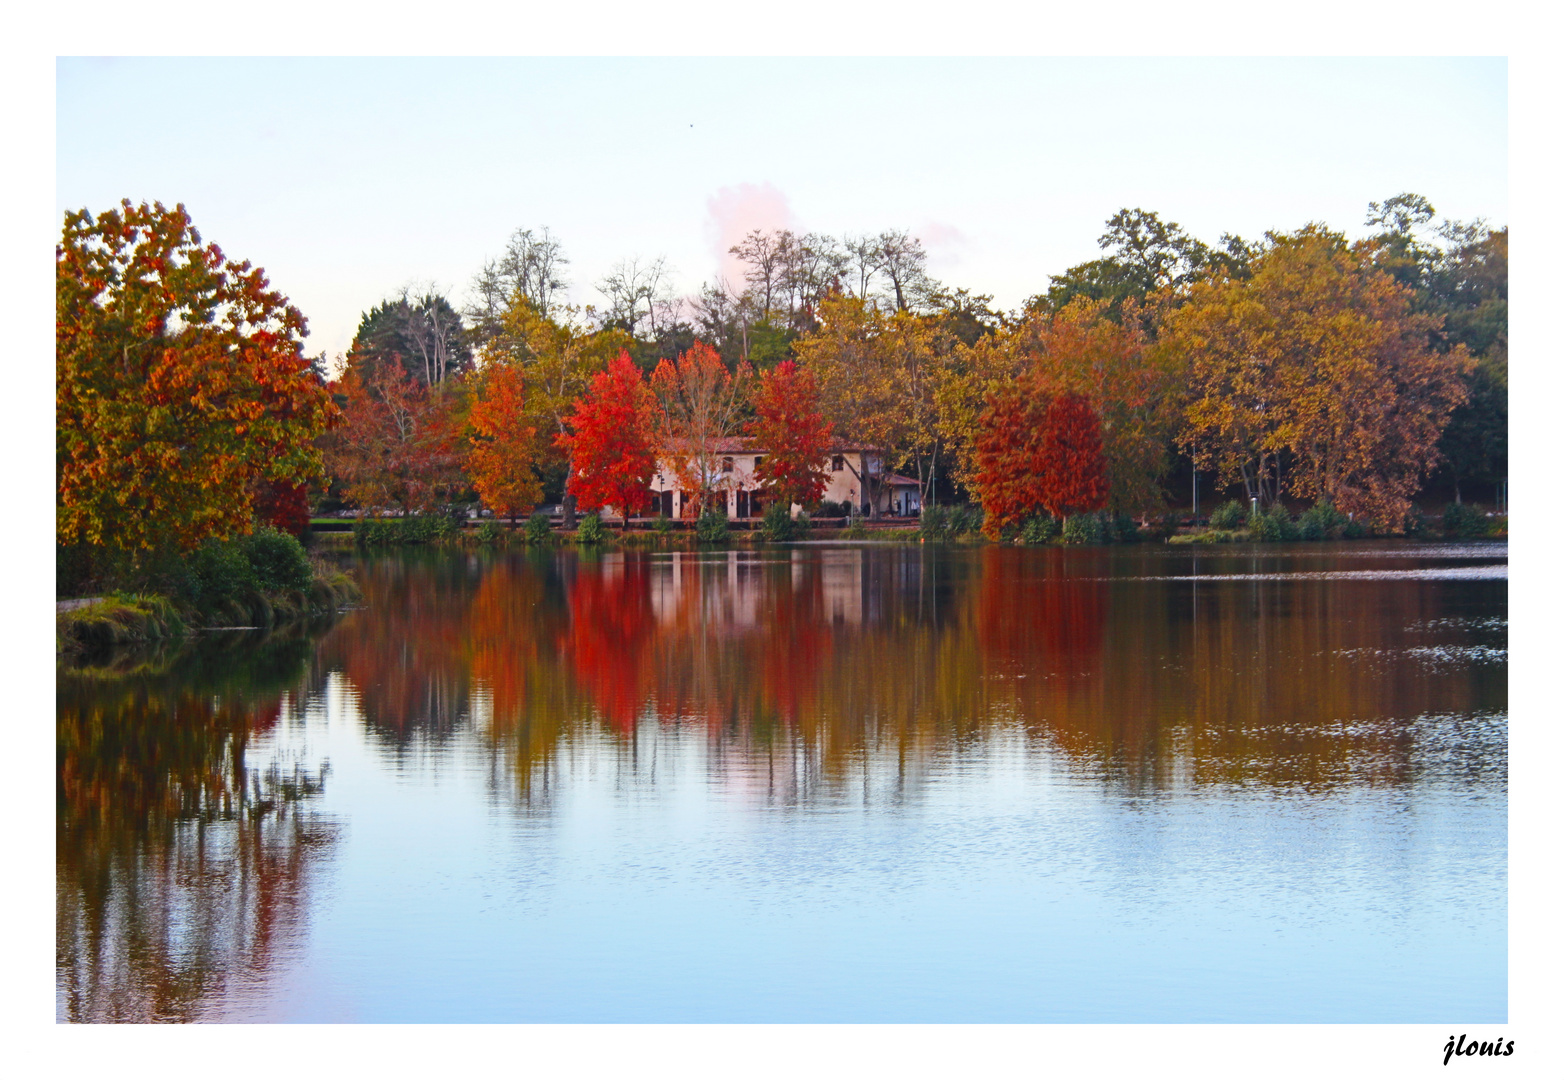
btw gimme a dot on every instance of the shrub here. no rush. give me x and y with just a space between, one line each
1354 530
1464 522
663 524
221 573
591 530
712 527
934 522
1039 529
414 529
278 560
1121 529
965 519
776 524
1083 529
538 529
1322 521
1230 515
1273 526
832 509
491 532
1416 523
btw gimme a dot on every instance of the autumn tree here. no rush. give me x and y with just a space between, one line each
1136 389
878 373
500 462
789 426
699 404
399 445
609 440
1317 359
1038 451
558 355
180 384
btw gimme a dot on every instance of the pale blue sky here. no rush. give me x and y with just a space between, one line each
347 178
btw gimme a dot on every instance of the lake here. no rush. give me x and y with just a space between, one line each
809 783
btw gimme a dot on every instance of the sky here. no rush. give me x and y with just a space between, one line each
350 178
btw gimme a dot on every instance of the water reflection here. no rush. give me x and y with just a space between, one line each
1162 749
1149 670
183 867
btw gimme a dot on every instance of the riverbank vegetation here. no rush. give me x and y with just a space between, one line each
187 416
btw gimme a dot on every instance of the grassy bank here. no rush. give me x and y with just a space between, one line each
262 580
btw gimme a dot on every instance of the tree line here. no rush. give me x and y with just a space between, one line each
1296 366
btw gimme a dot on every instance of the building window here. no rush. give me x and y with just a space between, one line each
758 460
838 463
727 464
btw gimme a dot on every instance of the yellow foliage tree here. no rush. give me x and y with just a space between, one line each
1316 360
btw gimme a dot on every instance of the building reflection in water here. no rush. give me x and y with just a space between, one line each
806 663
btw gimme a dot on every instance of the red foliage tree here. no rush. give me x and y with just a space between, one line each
398 445
1038 452
790 428
610 441
283 506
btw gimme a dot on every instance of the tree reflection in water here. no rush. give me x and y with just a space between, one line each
181 868
805 664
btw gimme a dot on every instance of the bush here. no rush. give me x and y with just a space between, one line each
1083 529
1039 529
712 527
855 530
1322 521
1121 529
538 529
414 529
1464 522
591 530
1230 515
221 574
663 524
1273 526
1416 523
832 509
278 560
965 519
491 532
934 522
776 524
1354 530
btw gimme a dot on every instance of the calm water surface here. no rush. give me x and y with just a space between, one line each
817 783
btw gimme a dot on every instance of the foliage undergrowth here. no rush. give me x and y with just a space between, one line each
400 531
591 530
538 529
711 527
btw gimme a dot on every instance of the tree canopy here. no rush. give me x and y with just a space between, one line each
181 383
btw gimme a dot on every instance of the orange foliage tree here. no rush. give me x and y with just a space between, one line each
698 406
793 432
1038 452
610 441
180 384
500 462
